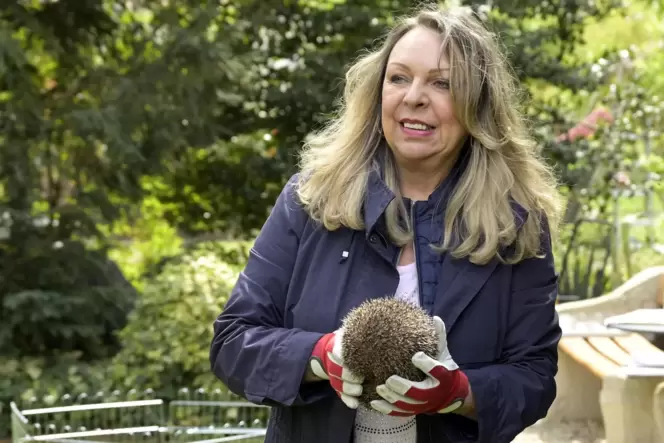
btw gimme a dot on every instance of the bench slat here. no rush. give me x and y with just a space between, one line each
636 344
610 349
586 355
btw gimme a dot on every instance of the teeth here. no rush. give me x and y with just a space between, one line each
418 126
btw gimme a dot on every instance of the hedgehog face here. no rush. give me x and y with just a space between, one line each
380 338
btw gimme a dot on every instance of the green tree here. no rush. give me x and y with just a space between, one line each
95 95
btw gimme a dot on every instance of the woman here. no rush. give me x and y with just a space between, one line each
428 172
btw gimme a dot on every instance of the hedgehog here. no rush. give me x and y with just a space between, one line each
380 338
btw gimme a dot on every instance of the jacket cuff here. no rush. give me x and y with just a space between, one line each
485 398
292 356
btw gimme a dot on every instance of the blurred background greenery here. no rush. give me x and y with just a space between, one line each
142 144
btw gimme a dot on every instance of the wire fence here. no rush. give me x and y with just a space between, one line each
193 416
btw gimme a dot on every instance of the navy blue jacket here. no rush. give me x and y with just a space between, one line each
298 284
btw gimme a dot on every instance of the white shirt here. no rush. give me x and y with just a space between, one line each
372 426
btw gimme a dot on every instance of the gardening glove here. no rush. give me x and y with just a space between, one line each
444 390
326 363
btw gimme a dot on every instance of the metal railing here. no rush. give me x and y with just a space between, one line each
190 417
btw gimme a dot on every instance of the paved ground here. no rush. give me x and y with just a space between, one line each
563 432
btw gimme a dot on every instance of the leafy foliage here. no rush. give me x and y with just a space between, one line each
226 188
169 331
58 296
611 156
94 96
27 378
192 92
165 343
128 127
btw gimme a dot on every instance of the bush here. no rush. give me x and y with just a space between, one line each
60 297
167 339
165 343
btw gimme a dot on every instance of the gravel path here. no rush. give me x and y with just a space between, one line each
563 432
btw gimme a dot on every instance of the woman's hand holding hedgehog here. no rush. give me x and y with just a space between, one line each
444 389
401 353
327 364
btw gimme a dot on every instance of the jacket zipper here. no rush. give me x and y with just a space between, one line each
417 260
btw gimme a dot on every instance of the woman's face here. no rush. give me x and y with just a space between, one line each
418 118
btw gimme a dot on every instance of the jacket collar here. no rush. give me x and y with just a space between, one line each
379 195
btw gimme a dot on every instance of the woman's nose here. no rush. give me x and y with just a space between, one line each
416 95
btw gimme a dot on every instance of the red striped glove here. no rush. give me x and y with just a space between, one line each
326 363
443 390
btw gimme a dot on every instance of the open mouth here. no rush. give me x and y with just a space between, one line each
416 126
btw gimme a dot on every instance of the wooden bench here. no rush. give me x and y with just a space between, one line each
621 400
606 355
593 383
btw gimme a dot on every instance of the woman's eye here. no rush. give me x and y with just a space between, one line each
444 84
396 78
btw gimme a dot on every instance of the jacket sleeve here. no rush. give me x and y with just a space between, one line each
519 390
251 351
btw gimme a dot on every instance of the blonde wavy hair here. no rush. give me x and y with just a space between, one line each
503 161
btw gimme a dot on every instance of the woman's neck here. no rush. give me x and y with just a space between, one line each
417 182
